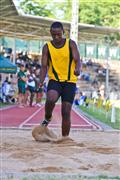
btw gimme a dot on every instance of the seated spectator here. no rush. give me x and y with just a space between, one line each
95 80
95 94
89 63
102 91
87 76
82 98
5 89
77 98
102 72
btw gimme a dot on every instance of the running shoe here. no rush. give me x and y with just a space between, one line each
45 122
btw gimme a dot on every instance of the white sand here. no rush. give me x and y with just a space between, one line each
89 153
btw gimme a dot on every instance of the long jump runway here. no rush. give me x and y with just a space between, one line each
15 117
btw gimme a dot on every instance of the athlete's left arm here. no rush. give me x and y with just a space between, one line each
76 57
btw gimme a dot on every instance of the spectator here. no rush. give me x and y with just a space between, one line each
89 63
87 77
95 95
77 98
22 79
31 86
95 80
102 91
5 89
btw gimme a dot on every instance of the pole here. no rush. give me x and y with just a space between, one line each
113 114
14 48
107 68
74 21
107 79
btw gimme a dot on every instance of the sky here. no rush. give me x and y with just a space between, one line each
17 4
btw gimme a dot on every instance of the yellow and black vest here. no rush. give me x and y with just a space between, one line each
61 63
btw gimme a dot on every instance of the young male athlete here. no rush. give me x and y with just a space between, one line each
60 58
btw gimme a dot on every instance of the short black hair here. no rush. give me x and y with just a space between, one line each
57 25
22 65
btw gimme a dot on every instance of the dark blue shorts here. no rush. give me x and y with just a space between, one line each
31 89
21 89
66 90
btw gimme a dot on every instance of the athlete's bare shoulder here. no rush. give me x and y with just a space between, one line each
45 53
73 44
45 48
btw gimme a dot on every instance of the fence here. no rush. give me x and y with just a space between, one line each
88 50
99 51
106 111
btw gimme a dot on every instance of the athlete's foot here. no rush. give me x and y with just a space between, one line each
45 122
65 139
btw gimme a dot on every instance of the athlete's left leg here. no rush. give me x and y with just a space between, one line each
68 94
66 118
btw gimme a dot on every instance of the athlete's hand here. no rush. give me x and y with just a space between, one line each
77 72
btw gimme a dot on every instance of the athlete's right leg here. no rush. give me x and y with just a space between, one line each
52 97
53 94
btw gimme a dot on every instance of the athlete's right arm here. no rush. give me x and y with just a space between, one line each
44 64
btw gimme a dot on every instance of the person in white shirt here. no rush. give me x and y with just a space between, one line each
31 87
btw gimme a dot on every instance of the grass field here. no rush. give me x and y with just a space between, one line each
103 115
64 177
4 104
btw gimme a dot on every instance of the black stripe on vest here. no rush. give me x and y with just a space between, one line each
53 70
70 61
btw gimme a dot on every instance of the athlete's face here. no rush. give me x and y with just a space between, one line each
57 34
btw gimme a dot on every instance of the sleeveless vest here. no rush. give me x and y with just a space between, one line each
61 63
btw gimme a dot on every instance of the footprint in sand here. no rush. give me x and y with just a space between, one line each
43 134
104 150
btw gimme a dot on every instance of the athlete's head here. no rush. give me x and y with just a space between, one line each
57 31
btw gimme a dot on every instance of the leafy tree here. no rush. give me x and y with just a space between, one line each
46 8
102 12
36 7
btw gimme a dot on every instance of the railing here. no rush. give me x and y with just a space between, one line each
104 110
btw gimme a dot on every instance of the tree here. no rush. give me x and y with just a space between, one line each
102 12
46 8
36 7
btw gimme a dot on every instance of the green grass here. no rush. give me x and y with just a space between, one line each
102 115
67 177
4 105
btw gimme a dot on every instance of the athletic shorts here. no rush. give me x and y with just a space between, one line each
21 89
66 90
31 89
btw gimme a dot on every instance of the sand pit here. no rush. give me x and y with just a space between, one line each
43 134
86 153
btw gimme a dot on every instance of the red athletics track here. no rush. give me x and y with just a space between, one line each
15 117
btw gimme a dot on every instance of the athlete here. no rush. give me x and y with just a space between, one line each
61 60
